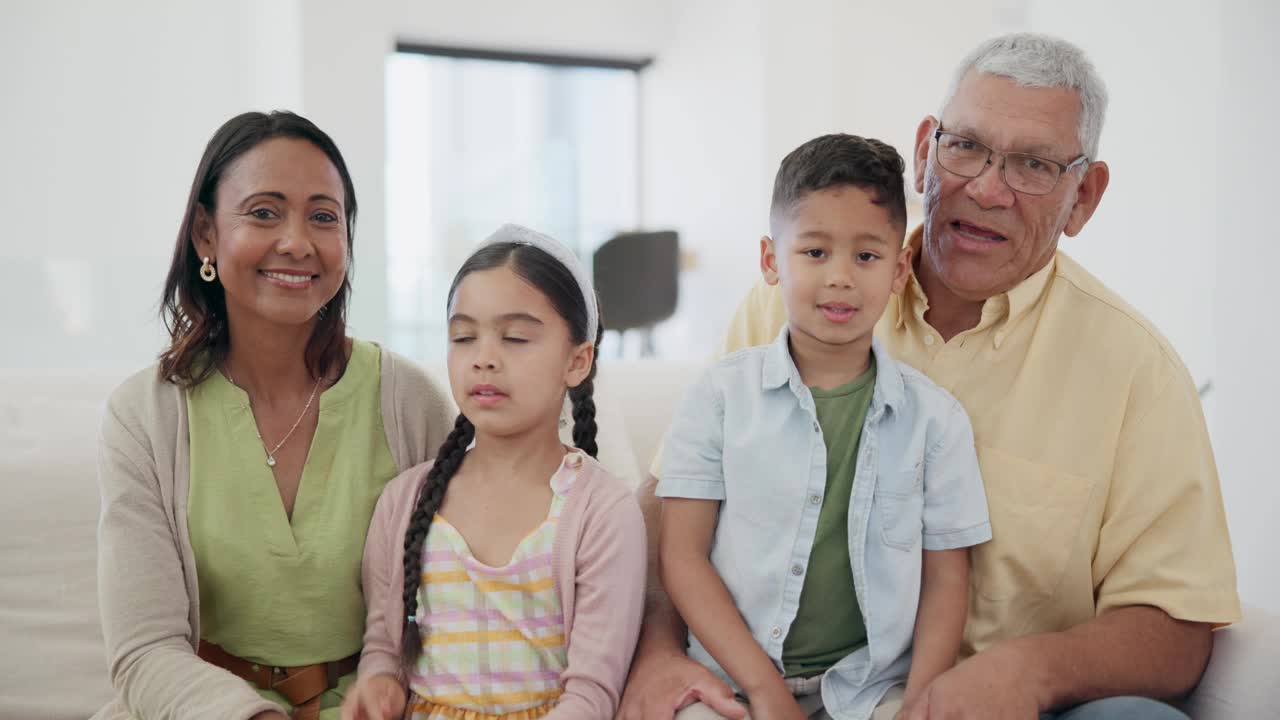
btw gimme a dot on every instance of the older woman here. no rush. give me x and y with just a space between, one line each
238 475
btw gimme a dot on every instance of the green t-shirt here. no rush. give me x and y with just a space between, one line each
273 591
828 624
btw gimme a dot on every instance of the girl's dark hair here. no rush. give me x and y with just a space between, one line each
554 280
195 312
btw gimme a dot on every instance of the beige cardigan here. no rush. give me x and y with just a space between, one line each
147 590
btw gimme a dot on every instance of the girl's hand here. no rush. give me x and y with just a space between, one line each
380 697
775 703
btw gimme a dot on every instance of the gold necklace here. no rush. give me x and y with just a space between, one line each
271 453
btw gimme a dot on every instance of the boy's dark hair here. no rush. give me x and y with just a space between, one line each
541 270
839 159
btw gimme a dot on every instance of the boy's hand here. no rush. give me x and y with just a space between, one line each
380 697
775 703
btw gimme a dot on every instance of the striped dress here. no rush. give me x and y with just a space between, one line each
493 639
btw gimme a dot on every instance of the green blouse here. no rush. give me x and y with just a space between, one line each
273 591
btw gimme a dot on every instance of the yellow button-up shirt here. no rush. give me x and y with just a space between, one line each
1093 447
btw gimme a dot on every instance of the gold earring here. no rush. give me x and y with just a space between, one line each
208 272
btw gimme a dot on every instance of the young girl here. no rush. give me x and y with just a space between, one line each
506 578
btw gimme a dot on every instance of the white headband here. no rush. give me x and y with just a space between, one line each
520 235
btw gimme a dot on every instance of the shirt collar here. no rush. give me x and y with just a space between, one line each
779 370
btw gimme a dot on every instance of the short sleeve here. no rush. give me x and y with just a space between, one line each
693 448
955 503
1164 540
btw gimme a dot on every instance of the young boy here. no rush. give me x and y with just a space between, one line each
818 497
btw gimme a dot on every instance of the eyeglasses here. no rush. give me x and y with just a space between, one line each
1022 172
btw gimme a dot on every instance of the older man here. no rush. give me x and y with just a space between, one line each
1110 564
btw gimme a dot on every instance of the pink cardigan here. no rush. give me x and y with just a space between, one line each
599 570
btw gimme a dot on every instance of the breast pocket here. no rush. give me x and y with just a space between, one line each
899 504
1036 515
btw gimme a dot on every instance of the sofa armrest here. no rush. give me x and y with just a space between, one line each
1240 681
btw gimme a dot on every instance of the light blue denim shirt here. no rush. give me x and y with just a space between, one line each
747 434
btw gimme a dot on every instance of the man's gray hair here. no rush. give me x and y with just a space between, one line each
1042 61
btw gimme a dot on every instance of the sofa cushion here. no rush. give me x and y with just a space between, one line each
54 665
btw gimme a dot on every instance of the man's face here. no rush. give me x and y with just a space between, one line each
981 238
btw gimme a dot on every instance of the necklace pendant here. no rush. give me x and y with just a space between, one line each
271 461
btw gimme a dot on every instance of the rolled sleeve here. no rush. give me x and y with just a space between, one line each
955 503
693 448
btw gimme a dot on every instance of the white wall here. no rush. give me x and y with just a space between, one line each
614 28
105 114
1246 335
706 173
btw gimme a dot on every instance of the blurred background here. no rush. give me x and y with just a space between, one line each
594 118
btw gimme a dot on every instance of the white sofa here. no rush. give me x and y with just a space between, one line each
52 663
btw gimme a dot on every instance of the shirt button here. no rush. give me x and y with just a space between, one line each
797 570
815 499
776 632
928 339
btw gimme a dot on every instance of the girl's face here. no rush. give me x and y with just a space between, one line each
511 357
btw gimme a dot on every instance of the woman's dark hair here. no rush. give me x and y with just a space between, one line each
554 280
195 312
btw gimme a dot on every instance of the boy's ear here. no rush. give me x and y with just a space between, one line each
903 270
580 364
769 260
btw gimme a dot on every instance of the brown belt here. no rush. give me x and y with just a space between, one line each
302 686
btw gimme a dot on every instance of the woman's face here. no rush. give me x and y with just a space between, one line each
278 233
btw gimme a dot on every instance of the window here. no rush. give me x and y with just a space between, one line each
477 139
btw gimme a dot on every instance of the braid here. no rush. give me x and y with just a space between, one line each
584 408
448 460
584 416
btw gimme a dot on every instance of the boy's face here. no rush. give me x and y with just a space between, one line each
838 257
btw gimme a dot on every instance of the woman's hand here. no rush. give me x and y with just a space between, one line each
379 697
